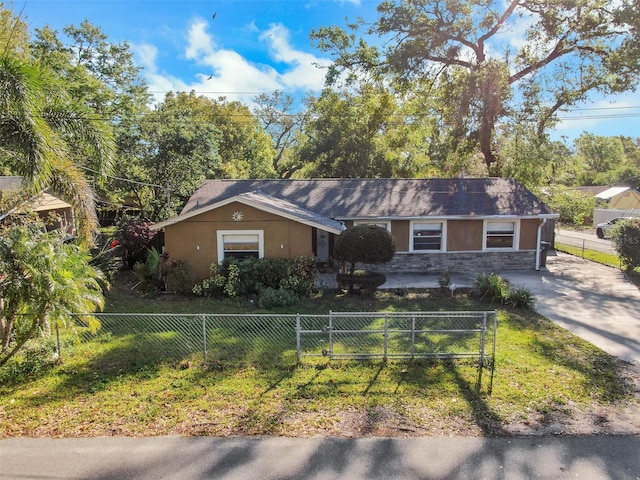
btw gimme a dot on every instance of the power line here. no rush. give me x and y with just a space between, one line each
144 184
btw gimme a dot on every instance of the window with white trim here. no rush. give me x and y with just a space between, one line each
427 236
240 244
500 234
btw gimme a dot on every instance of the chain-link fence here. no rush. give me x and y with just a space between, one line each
211 338
363 335
288 339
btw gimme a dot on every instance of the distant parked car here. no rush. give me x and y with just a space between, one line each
603 230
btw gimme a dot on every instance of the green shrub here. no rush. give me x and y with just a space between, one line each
270 272
274 298
490 287
301 276
232 285
364 244
180 277
212 286
251 276
493 288
151 273
519 297
37 356
626 240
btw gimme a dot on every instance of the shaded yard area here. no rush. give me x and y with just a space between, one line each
117 383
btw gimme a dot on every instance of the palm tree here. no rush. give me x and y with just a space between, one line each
44 281
39 122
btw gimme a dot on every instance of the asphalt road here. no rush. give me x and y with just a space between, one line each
587 241
435 458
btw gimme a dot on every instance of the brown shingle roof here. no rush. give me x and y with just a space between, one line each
343 199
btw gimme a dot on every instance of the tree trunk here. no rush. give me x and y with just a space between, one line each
20 344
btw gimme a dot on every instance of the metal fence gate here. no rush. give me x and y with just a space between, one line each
369 335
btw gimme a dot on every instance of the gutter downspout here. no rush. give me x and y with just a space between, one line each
539 242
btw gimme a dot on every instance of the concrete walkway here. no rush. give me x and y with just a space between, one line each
434 458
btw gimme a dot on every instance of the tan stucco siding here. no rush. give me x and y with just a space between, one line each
626 200
195 240
464 235
529 234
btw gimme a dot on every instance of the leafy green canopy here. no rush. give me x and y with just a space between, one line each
626 239
478 74
188 138
45 129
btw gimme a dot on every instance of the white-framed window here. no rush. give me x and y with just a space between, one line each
240 244
500 234
383 224
427 236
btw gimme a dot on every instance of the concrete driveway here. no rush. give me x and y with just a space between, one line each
593 301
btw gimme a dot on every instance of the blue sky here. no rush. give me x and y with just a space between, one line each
257 46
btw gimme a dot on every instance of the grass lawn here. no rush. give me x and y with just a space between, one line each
543 375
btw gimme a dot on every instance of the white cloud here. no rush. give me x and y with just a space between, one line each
226 72
200 42
146 56
303 70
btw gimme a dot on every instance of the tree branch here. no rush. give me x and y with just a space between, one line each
507 13
554 55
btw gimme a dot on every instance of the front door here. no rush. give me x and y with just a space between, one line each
322 246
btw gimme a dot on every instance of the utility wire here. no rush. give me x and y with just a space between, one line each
122 179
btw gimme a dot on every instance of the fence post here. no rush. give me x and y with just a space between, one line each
413 335
331 335
483 338
298 353
58 342
493 351
386 336
204 338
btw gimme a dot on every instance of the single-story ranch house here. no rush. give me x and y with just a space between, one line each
470 224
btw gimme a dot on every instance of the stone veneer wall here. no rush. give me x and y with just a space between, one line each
457 262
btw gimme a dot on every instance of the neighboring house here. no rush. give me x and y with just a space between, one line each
54 212
620 198
479 224
613 202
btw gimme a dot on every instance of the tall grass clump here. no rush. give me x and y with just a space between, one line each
494 288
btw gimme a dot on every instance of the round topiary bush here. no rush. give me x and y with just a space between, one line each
364 244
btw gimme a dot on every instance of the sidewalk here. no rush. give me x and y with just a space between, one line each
434 458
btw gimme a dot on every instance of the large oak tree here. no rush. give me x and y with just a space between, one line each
491 61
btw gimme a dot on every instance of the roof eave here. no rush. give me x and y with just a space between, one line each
335 229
